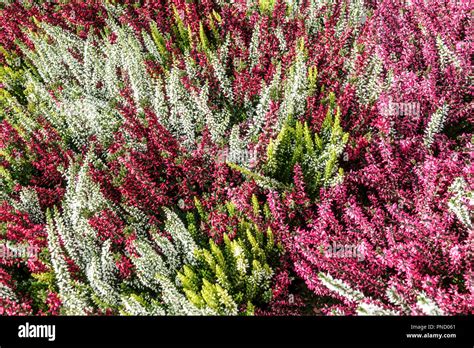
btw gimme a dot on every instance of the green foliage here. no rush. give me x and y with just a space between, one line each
20 168
12 78
15 107
316 154
233 275
160 43
182 33
203 38
266 6
312 79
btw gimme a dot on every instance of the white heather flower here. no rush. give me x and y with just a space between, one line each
427 305
436 124
445 54
254 51
29 204
340 287
462 201
296 90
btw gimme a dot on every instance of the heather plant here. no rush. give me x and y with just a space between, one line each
316 155
366 306
235 273
168 265
92 285
394 231
197 157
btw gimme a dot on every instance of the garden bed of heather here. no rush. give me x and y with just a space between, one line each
270 157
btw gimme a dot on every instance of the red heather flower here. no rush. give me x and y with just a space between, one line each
14 308
54 303
125 267
20 230
108 226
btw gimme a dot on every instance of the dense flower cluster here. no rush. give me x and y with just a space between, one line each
271 157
